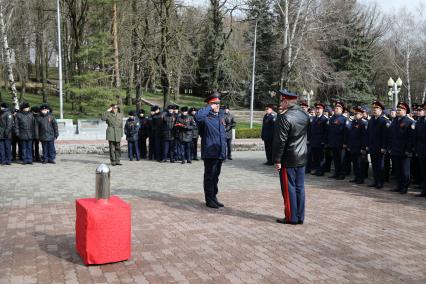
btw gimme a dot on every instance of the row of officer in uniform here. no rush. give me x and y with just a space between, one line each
399 139
27 127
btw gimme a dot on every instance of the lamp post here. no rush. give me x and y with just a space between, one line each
253 73
308 96
61 101
394 88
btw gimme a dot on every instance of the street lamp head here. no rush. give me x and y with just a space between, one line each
391 82
399 82
311 93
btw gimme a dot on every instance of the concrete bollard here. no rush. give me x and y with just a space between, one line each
103 224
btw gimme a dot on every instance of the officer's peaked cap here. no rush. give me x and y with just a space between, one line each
215 97
405 106
378 104
287 94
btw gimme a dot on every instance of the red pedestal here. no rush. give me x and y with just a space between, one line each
103 230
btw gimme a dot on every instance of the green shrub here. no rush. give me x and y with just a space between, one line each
242 133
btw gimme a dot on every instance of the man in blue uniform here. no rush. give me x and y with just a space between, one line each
268 132
377 142
211 124
401 134
290 156
318 133
420 146
336 139
356 143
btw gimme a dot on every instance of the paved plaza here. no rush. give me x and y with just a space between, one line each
352 234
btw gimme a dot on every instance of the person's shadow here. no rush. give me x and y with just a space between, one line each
193 205
61 246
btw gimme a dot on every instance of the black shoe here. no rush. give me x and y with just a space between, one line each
51 162
332 177
353 180
319 174
119 164
183 162
300 222
229 158
395 190
131 160
163 161
283 221
212 204
113 164
44 162
372 185
340 178
189 162
196 159
379 186
218 203
359 181
403 191
172 161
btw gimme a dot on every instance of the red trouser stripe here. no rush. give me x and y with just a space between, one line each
286 195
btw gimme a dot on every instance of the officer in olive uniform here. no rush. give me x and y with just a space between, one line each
356 143
211 125
25 130
185 124
47 132
6 121
114 119
318 136
420 146
401 135
376 143
267 134
336 137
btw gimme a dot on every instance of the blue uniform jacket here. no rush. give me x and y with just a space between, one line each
318 131
377 134
212 131
420 138
268 127
401 135
337 128
357 135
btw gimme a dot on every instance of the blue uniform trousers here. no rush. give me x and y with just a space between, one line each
5 151
169 149
194 147
292 182
268 150
317 158
212 168
185 149
133 149
338 162
377 164
229 148
357 164
402 171
27 151
49 151
308 167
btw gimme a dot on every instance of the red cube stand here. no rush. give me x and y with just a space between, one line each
103 230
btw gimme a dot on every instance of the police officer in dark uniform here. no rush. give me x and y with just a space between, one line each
47 131
156 132
318 136
336 139
6 121
211 125
401 135
420 146
143 133
195 135
229 125
25 130
267 134
36 143
377 133
356 143
168 130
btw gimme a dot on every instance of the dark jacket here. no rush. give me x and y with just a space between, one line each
229 124
131 129
47 128
185 125
357 135
194 129
401 135
289 146
156 124
337 130
144 127
6 124
25 125
377 134
268 127
211 127
420 138
318 131
168 128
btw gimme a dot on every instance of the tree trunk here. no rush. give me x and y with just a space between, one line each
10 78
136 65
424 93
115 43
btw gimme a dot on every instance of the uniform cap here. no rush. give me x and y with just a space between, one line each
213 98
142 111
321 105
340 104
44 106
4 105
404 105
359 109
271 106
183 109
155 108
170 107
35 109
25 105
304 104
132 113
288 95
378 104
